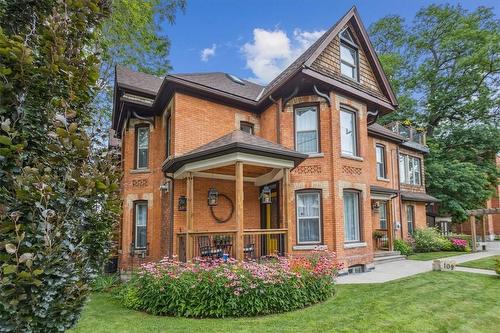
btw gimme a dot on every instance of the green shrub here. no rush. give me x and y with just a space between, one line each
105 283
430 240
465 237
497 266
219 289
403 246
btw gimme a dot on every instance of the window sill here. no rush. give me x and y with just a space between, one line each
350 157
354 245
140 171
387 180
310 247
316 155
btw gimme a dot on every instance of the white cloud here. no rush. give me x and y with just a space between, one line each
208 53
271 51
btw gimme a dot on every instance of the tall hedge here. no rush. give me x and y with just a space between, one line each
58 188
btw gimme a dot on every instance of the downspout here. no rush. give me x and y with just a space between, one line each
171 226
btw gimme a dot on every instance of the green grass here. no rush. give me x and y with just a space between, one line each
434 255
484 263
429 302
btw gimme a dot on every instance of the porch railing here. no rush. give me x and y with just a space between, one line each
257 243
381 239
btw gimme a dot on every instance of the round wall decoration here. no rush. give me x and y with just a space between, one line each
223 220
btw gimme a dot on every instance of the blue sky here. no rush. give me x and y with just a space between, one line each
256 39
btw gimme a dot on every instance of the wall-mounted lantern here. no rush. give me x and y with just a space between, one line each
213 197
182 204
265 195
376 206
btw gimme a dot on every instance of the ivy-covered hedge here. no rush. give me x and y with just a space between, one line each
228 289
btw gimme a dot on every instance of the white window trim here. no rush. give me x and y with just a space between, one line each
381 147
358 194
412 218
316 130
308 217
136 205
347 63
407 174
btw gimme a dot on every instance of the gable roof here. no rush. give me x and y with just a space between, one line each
236 141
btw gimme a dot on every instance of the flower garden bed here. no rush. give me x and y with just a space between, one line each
230 289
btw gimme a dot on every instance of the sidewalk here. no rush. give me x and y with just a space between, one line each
400 269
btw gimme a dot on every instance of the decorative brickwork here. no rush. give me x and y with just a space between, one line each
314 169
139 182
351 171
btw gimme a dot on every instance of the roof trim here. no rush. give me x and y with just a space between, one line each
391 137
380 189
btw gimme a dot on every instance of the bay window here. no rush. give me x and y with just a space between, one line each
308 217
352 227
348 139
306 129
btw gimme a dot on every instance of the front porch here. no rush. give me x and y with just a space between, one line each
238 199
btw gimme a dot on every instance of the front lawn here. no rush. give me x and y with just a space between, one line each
434 255
484 263
429 302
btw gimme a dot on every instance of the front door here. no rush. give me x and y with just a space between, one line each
270 244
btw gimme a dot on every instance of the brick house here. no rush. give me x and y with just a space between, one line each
214 164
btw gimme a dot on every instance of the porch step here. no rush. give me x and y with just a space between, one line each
390 258
381 254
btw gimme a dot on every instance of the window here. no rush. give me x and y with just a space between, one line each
348 55
308 217
383 214
306 129
348 138
410 219
169 135
140 224
351 217
380 155
409 170
246 127
142 147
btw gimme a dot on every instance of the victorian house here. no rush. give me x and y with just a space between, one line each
217 166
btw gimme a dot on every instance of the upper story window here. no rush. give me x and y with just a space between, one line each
246 127
409 170
380 156
352 221
168 136
308 217
141 147
306 129
348 135
140 224
348 55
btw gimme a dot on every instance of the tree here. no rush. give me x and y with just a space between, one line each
445 68
58 188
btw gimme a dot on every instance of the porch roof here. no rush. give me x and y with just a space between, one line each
417 196
246 145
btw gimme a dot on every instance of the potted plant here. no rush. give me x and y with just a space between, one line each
377 234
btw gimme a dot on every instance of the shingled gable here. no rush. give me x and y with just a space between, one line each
236 141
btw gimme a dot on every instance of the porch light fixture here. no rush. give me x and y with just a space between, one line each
213 197
265 195
182 204
376 206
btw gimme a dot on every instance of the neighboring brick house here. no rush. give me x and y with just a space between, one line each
214 164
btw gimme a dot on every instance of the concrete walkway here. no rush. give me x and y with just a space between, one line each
399 269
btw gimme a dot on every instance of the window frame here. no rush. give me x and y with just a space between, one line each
360 216
386 206
412 219
355 145
349 45
134 229
249 125
168 135
136 158
318 134
383 162
407 176
319 192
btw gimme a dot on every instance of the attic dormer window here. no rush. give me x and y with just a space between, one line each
348 55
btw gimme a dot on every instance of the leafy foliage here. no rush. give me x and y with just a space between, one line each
58 189
430 240
446 71
403 246
105 283
218 289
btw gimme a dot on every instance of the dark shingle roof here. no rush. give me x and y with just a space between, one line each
137 81
416 146
222 82
417 196
236 141
377 129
